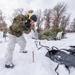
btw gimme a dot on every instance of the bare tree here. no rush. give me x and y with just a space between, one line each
2 22
2 17
18 11
39 19
58 11
72 26
64 22
47 14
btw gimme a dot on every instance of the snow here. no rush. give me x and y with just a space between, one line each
42 65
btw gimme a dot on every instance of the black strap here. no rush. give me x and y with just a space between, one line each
67 67
54 48
56 69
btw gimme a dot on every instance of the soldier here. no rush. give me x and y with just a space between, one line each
18 27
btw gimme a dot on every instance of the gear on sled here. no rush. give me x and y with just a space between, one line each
61 56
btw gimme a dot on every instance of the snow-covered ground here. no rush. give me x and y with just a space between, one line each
42 65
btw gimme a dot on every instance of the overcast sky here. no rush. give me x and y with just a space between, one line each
8 6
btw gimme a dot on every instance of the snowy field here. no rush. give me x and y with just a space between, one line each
42 65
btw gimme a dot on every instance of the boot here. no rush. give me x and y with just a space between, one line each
23 51
9 66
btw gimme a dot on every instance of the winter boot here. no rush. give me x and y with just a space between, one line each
9 66
23 51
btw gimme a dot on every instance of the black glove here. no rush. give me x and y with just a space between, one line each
27 24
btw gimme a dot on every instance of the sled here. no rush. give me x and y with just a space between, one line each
61 56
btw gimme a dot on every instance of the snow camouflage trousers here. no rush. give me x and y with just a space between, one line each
11 45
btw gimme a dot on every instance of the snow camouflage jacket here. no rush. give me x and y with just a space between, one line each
18 26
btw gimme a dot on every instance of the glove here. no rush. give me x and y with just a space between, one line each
27 24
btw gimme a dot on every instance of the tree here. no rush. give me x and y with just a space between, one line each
64 22
3 25
72 26
58 12
48 15
18 11
39 19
